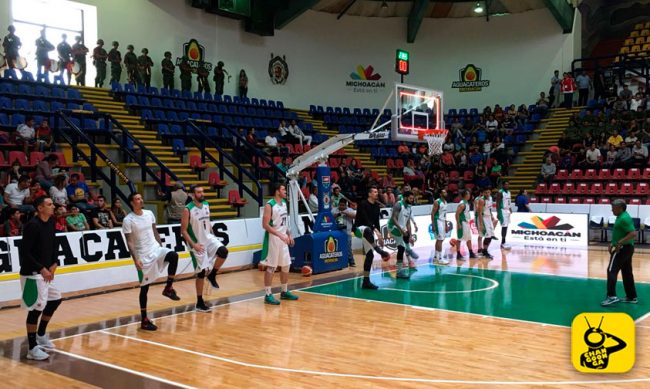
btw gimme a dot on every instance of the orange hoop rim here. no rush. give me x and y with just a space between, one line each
434 132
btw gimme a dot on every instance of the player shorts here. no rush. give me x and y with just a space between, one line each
397 235
464 232
358 232
440 229
206 260
504 217
275 253
37 292
488 228
152 265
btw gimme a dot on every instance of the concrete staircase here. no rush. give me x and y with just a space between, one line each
104 102
530 161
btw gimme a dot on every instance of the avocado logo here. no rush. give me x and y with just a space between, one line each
331 252
195 53
330 245
470 79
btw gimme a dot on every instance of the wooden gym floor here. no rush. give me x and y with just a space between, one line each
472 323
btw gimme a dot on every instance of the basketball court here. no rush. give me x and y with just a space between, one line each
478 322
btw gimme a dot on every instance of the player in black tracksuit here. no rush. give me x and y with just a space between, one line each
366 227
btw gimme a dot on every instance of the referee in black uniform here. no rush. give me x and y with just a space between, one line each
38 263
366 227
621 251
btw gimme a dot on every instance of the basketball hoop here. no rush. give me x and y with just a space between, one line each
435 138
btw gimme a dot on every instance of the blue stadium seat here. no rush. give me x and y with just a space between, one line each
74 94
129 88
227 120
6 88
346 111
279 104
131 100
198 96
213 108
56 106
168 103
72 106
190 105
264 103
217 119
39 105
89 125
142 100
159 115
182 116
141 89
4 119
41 91
212 132
218 98
179 104
227 99
6 103
255 101
21 104
163 129
175 93
206 116
27 76
146 114
195 115
236 100
178 146
17 119
207 96
172 115
164 92
202 106
116 87
24 89
156 102
462 112
88 107
153 91
175 129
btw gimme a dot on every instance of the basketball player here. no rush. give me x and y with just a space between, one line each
205 249
38 263
149 256
463 230
439 225
485 220
504 209
11 44
366 227
275 248
399 226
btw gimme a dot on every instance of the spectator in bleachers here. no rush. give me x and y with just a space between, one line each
521 201
498 113
491 126
251 138
548 171
473 145
283 165
623 156
631 136
388 198
496 174
186 75
344 216
522 115
64 50
115 58
131 64
79 193
615 139
313 197
285 133
611 155
79 52
639 154
542 101
11 44
101 216
354 172
15 172
592 157
297 133
554 92
58 191
636 101
584 82
17 195
566 160
168 69
36 191
403 152
599 84
117 212
99 60
13 226
487 111
243 84
448 145
569 86
60 224
447 160
26 134
44 171
271 143
336 195
219 77
44 137
203 78
387 181
76 220
176 204
626 95
144 68
43 47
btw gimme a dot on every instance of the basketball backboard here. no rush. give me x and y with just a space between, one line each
416 109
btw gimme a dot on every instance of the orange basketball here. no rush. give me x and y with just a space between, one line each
453 242
306 271
386 257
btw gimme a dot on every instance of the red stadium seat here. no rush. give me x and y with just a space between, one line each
619 174
454 175
20 156
468 176
569 188
590 174
611 188
643 188
627 188
603 200
604 174
62 162
635 202
3 163
555 188
533 199
541 188
546 200
560 200
589 200
576 174
562 175
390 164
196 164
597 188
35 157
574 200
235 200
582 189
634 174
645 175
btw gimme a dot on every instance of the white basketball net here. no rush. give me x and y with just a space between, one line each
435 141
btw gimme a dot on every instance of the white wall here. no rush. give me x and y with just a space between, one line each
517 53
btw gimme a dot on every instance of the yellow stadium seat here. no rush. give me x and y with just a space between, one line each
628 42
631 55
645 32
624 50
639 41
647 25
638 26
617 59
634 34
643 54
646 47
647 39
635 49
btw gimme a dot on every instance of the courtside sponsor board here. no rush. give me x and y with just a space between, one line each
569 230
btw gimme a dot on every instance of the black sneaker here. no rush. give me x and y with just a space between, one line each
212 279
352 264
488 256
368 285
201 307
472 256
170 293
629 300
147 325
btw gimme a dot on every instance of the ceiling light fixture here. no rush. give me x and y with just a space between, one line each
384 4
478 9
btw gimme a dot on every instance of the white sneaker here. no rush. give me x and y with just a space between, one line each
37 354
45 342
506 246
441 261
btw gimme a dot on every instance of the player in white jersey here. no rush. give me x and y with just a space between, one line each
206 250
486 221
439 225
504 209
148 253
463 229
275 248
399 226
